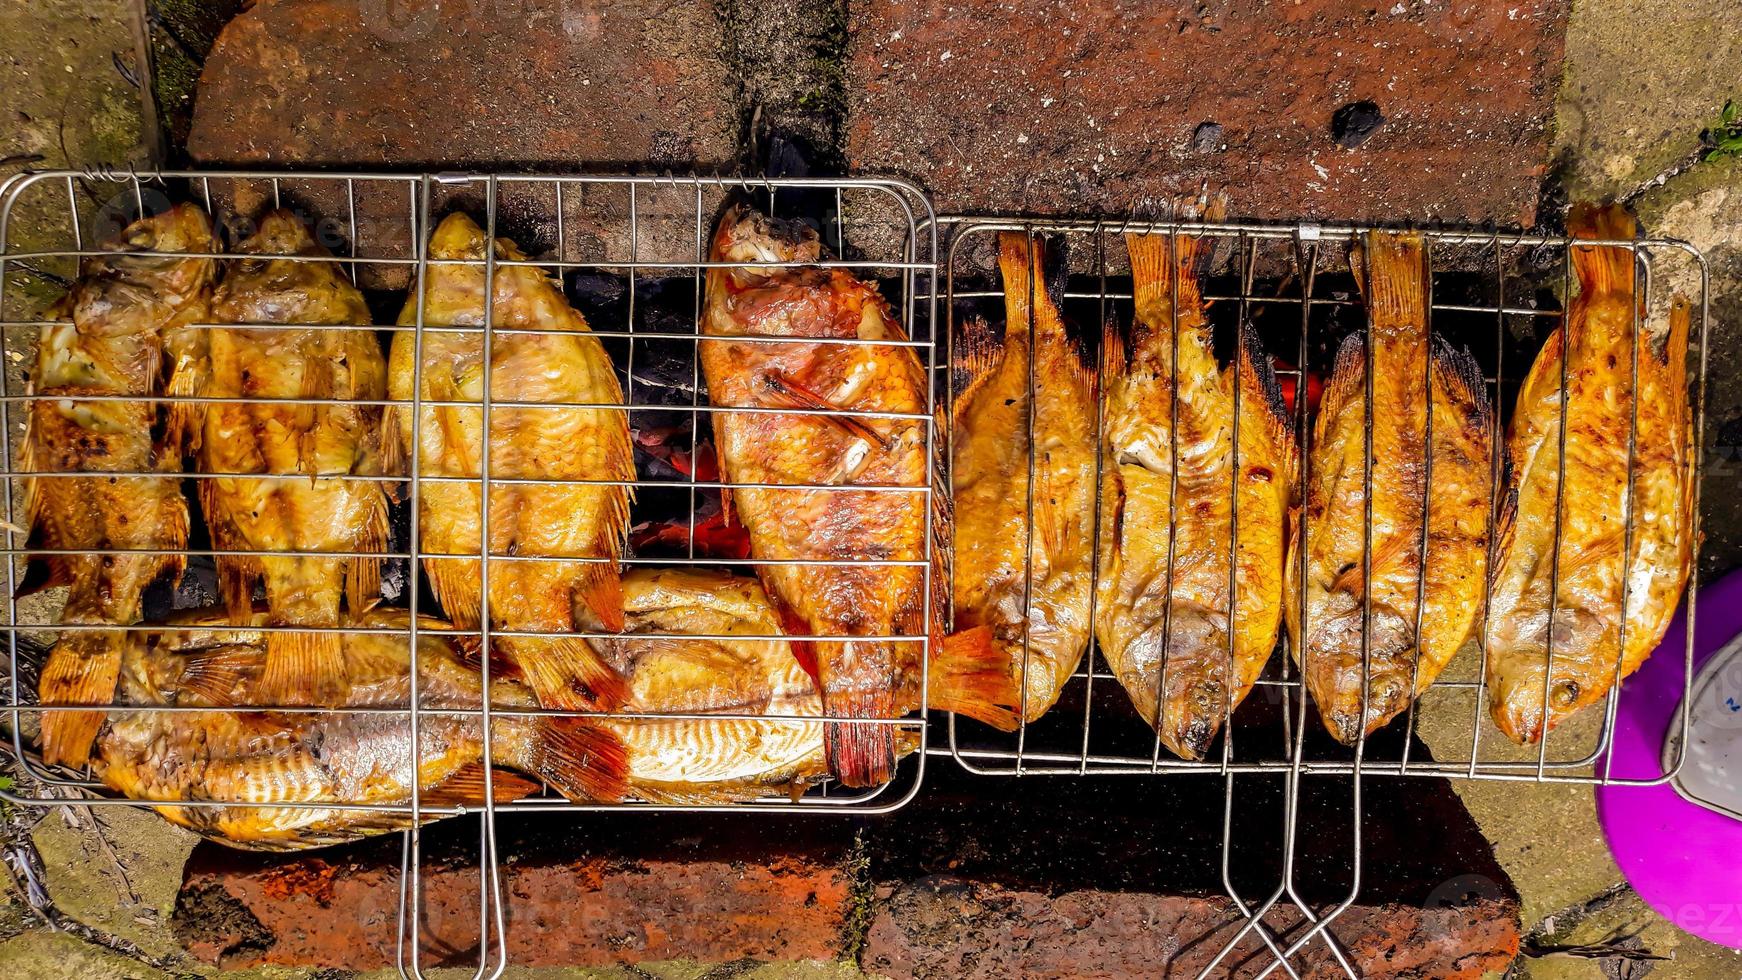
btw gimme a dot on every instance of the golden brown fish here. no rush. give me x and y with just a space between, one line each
1457 495
1600 349
561 364
121 319
863 674
717 760
994 545
307 445
1169 494
302 760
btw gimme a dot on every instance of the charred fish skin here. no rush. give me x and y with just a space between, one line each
865 674
1364 661
301 429
1169 493
293 763
711 761
1604 340
119 324
1000 560
541 351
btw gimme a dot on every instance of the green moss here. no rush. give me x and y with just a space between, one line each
861 900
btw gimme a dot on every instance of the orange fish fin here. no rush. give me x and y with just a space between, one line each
83 668
1260 388
466 788
803 651
1391 269
183 430
566 673
860 754
728 516
1392 549
394 457
216 674
581 760
1602 268
1347 384
970 676
1463 376
457 585
302 668
600 589
363 575
784 392
978 354
1114 358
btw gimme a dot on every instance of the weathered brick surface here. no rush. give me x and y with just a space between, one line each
1061 107
572 901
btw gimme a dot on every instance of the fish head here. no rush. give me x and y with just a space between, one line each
1361 684
1578 674
748 236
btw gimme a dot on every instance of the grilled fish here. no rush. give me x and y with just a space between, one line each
1169 496
302 760
308 445
716 760
863 674
561 363
1346 567
121 321
1597 350
999 560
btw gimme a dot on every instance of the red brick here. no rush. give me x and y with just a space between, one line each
1055 106
952 927
577 904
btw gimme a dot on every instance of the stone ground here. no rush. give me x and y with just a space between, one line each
1642 79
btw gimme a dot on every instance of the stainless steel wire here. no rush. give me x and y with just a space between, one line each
643 233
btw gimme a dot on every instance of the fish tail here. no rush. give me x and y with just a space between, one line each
1602 269
1391 268
566 673
1167 268
860 754
83 668
302 668
1033 288
582 760
969 676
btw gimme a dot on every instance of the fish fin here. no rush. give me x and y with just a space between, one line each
1114 359
1542 382
600 589
183 431
978 354
237 574
1391 269
1347 384
803 651
215 674
581 760
393 452
783 392
1026 306
1390 550
83 668
363 575
971 677
1258 379
466 788
457 586
1459 370
1602 268
728 515
860 754
302 668
566 673
41 573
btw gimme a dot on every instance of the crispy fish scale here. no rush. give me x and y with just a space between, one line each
1165 632
869 676
990 476
716 760
325 436
120 321
1588 656
301 761
1401 665
559 363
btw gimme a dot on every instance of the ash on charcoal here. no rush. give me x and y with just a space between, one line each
1207 138
1356 123
208 918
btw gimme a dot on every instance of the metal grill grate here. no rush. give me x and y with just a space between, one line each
632 253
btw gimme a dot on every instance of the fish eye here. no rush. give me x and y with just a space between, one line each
1566 693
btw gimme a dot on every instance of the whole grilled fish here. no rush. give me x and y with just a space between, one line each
122 319
303 760
1597 349
561 363
715 760
863 674
1007 574
1408 642
307 447
1169 498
